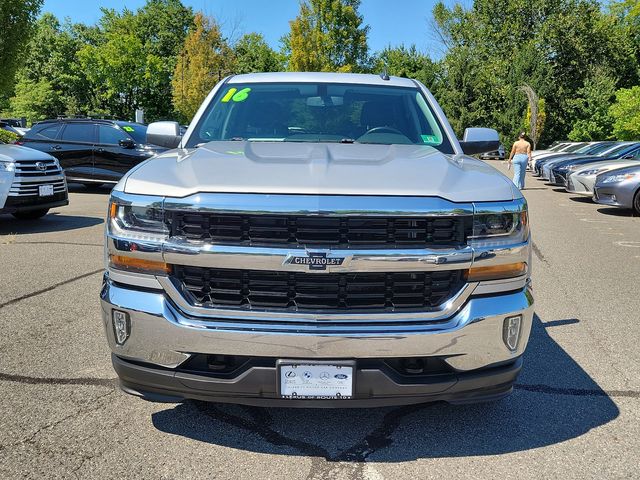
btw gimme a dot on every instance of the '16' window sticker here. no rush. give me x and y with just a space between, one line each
236 95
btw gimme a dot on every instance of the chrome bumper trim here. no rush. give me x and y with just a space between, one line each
180 252
469 340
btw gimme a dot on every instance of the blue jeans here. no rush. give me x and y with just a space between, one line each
519 169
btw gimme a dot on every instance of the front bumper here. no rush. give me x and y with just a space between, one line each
580 185
609 195
162 337
19 204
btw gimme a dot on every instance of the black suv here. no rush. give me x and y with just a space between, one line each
92 151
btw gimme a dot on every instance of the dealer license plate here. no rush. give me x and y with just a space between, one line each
316 380
45 190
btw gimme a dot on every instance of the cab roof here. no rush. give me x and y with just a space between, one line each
321 77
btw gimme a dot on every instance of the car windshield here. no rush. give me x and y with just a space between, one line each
574 147
593 148
320 112
619 149
135 130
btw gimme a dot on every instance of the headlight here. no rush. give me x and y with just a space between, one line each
138 222
593 171
619 178
7 166
495 229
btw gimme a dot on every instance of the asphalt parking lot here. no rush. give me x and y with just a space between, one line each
575 412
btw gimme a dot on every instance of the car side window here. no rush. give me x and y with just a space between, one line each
108 135
47 133
79 133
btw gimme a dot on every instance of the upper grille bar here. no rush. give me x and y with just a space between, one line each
318 231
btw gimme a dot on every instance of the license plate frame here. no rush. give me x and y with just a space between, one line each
335 388
45 190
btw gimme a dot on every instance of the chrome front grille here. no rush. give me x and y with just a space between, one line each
37 168
296 291
31 174
320 231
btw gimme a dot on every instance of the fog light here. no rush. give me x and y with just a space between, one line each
121 326
511 331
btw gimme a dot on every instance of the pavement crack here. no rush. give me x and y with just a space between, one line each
323 465
31 439
577 392
48 289
538 253
89 381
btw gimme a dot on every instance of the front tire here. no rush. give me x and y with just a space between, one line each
31 214
636 202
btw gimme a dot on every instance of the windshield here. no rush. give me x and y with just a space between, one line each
618 149
135 130
320 112
575 147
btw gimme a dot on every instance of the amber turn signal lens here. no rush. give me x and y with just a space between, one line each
138 265
496 272
113 209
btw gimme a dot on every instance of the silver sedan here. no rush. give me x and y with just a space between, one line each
619 188
583 180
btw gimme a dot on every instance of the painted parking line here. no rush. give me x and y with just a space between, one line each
628 243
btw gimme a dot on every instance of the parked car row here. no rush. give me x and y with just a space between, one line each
35 171
92 151
608 171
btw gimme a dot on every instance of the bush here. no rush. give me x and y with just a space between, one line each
7 137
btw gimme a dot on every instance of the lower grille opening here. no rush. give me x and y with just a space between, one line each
231 366
297 291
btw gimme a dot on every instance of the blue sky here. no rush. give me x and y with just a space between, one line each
396 22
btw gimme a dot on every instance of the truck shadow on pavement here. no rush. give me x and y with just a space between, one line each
554 400
53 222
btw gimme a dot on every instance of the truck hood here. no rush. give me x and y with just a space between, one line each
13 153
318 169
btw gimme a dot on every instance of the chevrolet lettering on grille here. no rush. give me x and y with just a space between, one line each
315 261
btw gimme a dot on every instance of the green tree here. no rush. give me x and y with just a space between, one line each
16 22
407 62
493 47
131 64
592 102
50 82
626 114
206 58
328 36
253 54
35 99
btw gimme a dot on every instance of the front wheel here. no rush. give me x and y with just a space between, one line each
636 202
31 214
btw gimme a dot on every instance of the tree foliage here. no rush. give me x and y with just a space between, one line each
328 36
132 63
206 58
50 81
407 62
252 54
16 22
625 113
496 46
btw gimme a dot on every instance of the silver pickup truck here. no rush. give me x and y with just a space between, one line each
322 240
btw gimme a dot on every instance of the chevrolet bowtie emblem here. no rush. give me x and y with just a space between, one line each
315 260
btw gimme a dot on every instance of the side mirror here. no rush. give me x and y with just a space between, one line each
480 140
164 134
127 143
